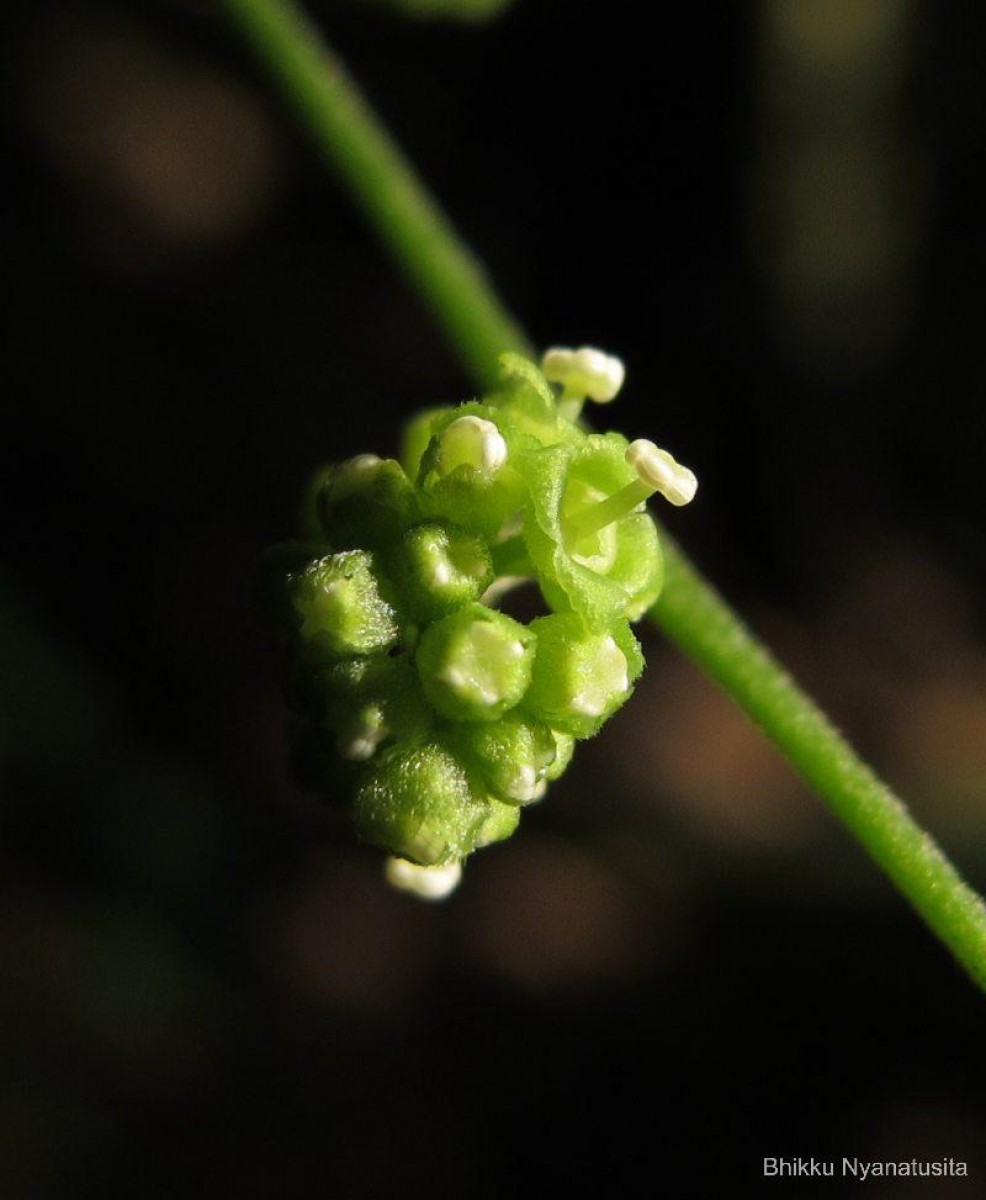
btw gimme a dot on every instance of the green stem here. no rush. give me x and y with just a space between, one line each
690 611
695 616
351 138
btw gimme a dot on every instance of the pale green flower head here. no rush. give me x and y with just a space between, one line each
449 714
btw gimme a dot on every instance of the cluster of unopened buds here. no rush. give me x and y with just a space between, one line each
453 714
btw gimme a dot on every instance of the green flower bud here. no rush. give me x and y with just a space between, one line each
366 502
388 706
420 804
343 605
580 678
466 475
368 702
441 568
513 755
476 663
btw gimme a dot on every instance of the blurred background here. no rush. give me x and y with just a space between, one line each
773 212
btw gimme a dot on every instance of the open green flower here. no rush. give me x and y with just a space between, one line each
604 572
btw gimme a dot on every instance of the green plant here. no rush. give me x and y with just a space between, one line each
689 610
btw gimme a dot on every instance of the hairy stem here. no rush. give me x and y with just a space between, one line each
690 611
694 615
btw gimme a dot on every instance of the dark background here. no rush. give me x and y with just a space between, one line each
773 212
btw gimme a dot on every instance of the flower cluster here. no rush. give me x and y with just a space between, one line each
453 714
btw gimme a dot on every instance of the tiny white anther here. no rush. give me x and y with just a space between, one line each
473 442
585 372
659 471
539 789
427 883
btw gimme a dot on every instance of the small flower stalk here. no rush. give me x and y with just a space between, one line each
451 715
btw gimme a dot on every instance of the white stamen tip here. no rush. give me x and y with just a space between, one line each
660 471
473 442
427 883
585 372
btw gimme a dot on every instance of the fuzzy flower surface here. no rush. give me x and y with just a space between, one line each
451 715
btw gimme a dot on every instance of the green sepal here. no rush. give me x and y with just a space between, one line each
526 405
366 502
441 567
475 664
420 803
613 574
513 755
416 435
581 678
564 749
344 607
501 821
